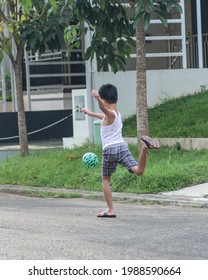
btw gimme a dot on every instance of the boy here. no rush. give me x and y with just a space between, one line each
115 149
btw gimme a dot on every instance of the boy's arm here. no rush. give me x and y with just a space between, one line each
93 114
108 113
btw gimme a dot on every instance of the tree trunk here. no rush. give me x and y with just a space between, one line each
141 80
23 139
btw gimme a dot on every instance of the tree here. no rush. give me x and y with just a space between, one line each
9 34
112 38
36 24
143 11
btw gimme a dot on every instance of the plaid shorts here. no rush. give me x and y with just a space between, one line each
118 153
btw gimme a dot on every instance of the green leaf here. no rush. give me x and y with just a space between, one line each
1 56
89 53
163 19
146 21
162 6
121 46
121 60
26 5
139 7
138 19
128 50
54 4
131 41
150 5
71 33
178 8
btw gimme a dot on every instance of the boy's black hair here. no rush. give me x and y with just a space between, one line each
109 93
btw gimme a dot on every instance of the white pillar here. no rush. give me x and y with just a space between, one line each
183 33
89 80
199 33
27 71
80 121
13 80
13 88
3 85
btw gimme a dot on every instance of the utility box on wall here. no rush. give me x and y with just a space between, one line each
80 120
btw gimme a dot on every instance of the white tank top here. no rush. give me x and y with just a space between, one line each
112 134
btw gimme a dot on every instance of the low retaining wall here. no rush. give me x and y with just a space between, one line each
185 143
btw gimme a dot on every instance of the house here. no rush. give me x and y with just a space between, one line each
177 62
177 59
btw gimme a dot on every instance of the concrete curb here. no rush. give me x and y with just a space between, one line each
185 143
162 199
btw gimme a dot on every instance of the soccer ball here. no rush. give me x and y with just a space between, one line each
90 160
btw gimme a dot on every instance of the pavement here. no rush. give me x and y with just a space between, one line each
193 196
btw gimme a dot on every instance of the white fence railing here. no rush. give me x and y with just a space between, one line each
54 73
191 52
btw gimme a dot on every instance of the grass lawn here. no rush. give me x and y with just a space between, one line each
181 117
167 169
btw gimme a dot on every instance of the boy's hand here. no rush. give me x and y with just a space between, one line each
92 114
86 111
95 94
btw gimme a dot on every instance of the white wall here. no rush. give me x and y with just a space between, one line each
126 85
174 83
161 84
47 104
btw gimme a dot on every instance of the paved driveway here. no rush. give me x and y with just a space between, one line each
7 153
37 228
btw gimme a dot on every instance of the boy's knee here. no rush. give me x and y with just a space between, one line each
139 172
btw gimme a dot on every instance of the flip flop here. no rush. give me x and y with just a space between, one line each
150 143
106 215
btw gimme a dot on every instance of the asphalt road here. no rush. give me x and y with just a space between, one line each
67 229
